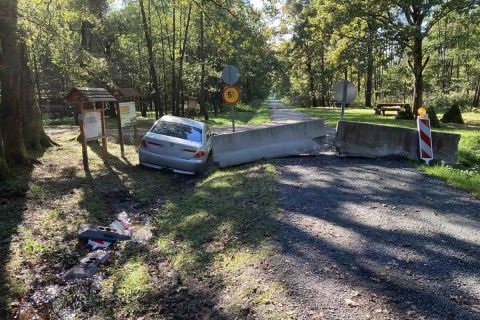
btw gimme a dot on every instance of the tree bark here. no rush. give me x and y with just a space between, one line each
11 107
34 134
201 98
369 79
311 83
4 171
323 75
182 58
151 62
418 67
173 58
476 97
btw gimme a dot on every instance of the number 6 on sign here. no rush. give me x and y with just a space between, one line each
231 95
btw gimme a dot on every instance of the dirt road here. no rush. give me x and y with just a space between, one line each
376 239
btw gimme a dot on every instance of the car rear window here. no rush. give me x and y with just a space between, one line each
178 130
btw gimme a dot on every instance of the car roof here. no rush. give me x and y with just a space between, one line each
184 121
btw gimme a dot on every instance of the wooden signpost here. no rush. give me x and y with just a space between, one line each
126 112
92 117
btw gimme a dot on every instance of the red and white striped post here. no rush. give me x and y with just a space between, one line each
425 139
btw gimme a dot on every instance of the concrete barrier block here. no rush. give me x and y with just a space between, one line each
87 266
89 231
269 142
371 140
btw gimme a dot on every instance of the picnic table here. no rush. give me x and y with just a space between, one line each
382 108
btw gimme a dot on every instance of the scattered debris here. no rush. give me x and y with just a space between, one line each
89 231
98 244
87 266
99 238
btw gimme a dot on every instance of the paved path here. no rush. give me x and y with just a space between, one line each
282 114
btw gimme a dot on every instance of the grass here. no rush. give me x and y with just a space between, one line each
252 114
244 115
465 175
210 234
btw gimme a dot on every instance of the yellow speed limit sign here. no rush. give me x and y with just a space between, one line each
231 95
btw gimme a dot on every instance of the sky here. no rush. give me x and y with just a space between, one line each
256 3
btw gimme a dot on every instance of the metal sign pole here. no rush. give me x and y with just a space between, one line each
344 98
233 118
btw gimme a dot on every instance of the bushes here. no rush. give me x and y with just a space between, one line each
406 113
441 101
432 115
453 115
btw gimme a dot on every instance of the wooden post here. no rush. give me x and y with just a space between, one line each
135 134
120 133
83 139
104 131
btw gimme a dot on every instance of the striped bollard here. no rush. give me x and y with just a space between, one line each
425 139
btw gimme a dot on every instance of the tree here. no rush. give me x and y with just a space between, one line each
412 21
151 63
20 120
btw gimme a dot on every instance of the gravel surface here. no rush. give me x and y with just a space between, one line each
376 239
280 115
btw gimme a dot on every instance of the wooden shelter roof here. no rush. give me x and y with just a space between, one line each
83 94
127 92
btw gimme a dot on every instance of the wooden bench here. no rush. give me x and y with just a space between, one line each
382 108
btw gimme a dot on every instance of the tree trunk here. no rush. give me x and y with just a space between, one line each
203 107
11 107
182 58
151 62
322 72
173 58
369 79
4 172
418 67
476 97
311 83
34 135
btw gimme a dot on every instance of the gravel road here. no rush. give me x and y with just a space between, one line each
376 239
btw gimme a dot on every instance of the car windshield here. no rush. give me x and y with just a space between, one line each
178 130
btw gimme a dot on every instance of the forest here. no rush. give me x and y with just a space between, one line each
420 52
295 230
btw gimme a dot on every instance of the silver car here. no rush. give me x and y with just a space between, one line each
178 144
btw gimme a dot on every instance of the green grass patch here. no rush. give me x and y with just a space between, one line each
212 229
134 280
465 175
230 210
253 114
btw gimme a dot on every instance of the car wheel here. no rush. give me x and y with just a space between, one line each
208 166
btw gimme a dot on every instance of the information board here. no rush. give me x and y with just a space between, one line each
92 122
128 113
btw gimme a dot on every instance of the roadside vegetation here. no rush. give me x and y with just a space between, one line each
465 175
251 114
210 238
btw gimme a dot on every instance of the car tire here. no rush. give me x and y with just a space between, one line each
208 166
